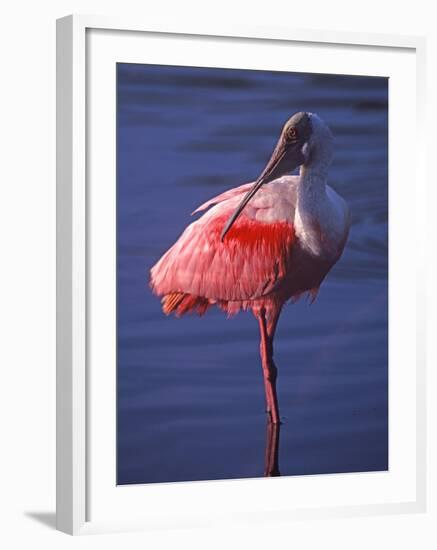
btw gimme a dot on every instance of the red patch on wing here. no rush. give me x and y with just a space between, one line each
253 233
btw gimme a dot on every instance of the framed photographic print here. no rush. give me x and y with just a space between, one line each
234 298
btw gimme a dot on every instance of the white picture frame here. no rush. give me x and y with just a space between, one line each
73 342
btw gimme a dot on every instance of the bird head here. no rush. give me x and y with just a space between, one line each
292 150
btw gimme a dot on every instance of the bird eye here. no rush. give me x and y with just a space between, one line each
291 134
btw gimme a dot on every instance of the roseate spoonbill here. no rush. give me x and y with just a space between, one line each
263 243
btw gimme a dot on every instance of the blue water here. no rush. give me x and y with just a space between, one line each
190 391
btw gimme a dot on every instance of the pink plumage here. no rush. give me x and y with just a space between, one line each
263 243
243 271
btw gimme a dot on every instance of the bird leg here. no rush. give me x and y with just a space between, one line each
267 331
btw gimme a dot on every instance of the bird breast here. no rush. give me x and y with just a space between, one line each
321 224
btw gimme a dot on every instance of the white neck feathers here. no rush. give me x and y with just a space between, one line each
312 214
320 147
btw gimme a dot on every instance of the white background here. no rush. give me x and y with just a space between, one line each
27 218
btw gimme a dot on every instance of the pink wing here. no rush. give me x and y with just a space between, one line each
229 194
249 264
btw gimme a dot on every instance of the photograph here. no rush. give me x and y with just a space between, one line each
252 273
